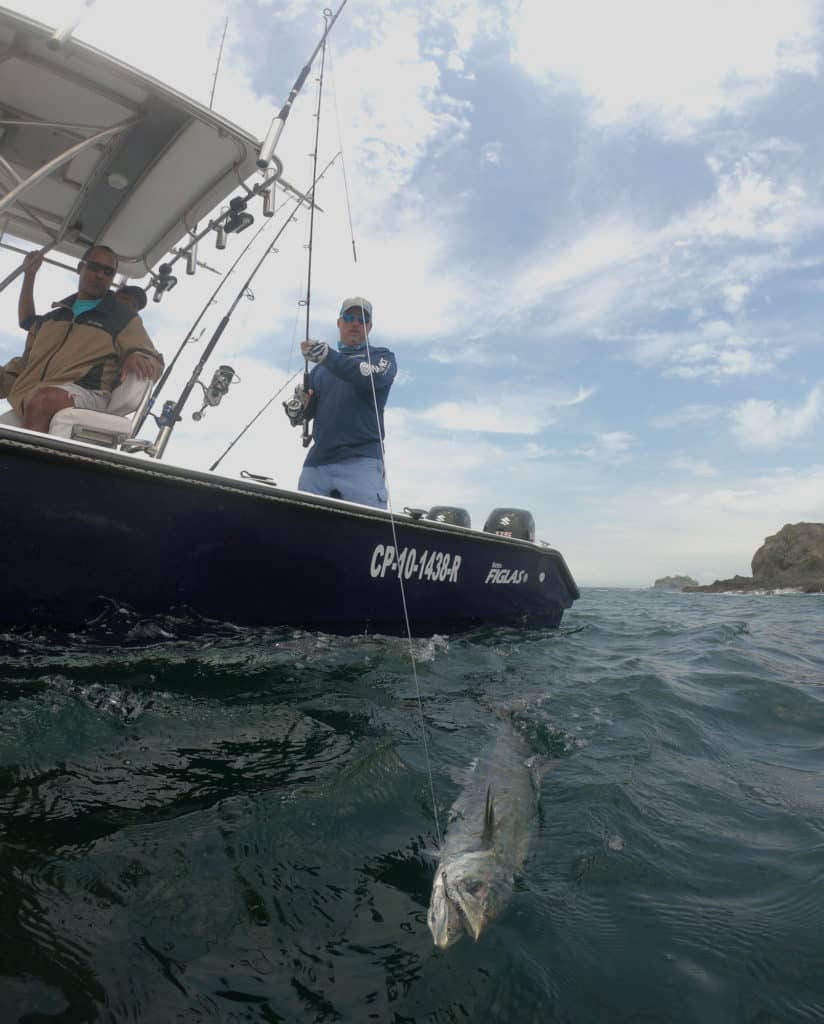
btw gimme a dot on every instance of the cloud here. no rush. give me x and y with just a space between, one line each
491 153
694 467
613 446
483 417
707 532
389 139
581 395
734 296
687 414
762 424
598 248
689 294
672 64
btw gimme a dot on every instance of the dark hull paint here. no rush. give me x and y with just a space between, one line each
86 526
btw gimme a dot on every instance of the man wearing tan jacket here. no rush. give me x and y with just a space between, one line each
79 352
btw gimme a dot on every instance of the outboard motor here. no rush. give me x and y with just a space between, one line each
511 522
449 514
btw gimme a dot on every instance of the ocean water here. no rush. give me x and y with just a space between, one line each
238 827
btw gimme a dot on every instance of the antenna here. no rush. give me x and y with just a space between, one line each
217 66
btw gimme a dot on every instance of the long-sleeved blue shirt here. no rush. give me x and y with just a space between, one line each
343 407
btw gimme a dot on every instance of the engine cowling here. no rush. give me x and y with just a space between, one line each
511 522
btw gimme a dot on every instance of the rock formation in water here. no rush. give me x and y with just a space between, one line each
674 583
791 558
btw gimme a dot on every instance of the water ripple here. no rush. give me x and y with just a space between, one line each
199 822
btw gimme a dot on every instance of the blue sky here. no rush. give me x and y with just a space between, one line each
592 234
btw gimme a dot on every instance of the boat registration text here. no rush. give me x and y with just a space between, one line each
436 566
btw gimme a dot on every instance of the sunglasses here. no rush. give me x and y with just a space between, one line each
100 268
350 318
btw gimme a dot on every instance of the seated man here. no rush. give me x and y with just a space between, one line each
132 294
77 354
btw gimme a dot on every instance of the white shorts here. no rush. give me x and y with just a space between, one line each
97 401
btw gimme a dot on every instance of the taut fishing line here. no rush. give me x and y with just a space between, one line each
393 523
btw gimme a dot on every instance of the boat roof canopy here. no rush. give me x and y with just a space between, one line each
92 151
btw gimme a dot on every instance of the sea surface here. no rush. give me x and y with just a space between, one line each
240 827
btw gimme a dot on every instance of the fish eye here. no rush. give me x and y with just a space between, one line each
473 888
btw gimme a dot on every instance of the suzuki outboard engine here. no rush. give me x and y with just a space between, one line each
511 522
448 514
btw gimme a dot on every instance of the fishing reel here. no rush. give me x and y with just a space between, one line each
295 407
163 281
217 390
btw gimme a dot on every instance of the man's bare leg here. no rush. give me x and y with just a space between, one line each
43 404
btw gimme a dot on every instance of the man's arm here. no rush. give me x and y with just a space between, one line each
380 366
137 353
32 262
14 367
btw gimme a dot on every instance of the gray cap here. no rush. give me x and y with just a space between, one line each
357 300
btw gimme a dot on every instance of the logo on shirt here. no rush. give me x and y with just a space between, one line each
380 367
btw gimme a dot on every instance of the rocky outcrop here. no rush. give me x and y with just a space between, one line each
674 583
791 558
734 585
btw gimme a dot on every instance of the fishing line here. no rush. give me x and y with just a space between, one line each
306 440
327 14
393 527
252 421
342 158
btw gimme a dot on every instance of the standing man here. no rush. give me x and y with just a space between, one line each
347 394
78 353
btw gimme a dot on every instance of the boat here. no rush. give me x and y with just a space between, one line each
94 151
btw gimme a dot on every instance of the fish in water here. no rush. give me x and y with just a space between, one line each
487 838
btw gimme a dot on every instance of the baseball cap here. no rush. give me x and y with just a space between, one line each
135 292
357 300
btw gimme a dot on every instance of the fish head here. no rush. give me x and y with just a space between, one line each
443 917
469 891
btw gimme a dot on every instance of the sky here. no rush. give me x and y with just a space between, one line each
592 235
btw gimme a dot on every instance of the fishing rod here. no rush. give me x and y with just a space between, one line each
278 122
306 437
266 156
294 407
209 302
171 413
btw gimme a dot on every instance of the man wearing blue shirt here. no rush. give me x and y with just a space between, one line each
346 397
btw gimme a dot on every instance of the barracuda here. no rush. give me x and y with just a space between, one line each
487 838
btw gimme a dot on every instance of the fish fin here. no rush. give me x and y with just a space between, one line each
489 817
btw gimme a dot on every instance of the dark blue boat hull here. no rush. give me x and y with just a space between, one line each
84 527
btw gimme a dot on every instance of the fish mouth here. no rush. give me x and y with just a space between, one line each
454 910
444 916
472 911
